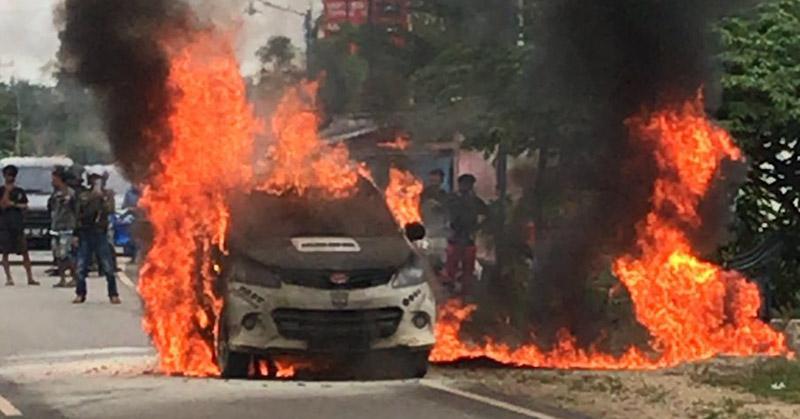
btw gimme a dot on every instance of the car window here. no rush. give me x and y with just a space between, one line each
364 214
35 179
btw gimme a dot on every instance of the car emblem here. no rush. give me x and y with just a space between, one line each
339 279
340 299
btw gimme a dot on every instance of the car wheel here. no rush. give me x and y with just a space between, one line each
415 363
397 364
231 364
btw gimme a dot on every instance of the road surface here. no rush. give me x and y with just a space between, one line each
58 360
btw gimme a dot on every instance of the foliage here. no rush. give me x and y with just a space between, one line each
365 69
55 120
279 52
8 120
761 107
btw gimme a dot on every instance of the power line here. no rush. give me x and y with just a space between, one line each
281 8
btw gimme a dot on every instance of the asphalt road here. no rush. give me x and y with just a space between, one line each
93 361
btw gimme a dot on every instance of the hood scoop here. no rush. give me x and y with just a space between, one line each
326 245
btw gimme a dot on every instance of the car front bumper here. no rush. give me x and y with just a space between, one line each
298 319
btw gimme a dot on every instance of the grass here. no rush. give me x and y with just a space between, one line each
726 408
653 394
759 379
602 384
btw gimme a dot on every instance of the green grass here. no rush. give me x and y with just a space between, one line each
759 379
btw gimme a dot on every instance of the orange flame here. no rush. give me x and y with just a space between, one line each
299 160
186 202
403 196
285 369
693 309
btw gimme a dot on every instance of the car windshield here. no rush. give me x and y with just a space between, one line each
364 214
35 179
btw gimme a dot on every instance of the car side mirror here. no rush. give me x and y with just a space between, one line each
415 231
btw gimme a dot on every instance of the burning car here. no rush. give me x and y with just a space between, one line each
316 276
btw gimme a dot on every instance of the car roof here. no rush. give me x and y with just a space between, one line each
30 161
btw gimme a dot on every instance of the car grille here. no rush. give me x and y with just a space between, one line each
322 279
36 218
324 328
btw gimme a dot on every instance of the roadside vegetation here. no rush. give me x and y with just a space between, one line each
772 378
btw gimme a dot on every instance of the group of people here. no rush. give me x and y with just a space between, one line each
458 218
79 228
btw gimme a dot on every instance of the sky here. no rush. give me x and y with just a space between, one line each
29 41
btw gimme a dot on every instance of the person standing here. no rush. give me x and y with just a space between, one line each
467 211
13 203
63 206
433 205
95 205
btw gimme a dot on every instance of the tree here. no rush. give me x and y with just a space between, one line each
8 120
761 108
278 52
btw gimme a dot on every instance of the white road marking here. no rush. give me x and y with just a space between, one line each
125 279
8 409
84 353
486 400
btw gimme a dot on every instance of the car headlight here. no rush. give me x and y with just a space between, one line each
253 273
412 274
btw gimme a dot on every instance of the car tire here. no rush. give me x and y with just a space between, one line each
231 364
396 364
414 363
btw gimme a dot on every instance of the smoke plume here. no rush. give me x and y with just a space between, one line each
597 64
113 48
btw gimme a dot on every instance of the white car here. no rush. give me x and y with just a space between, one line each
35 177
335 278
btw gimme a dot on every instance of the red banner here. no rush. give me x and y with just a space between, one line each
340 12
391 13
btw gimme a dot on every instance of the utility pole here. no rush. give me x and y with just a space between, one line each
18 127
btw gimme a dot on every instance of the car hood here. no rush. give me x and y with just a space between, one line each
373 253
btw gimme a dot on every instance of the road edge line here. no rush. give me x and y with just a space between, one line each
486 400
8 409
125 279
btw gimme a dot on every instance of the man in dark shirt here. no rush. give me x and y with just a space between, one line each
467 211
63 206
13 203
95 205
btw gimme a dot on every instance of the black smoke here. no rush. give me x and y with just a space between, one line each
594 65
114 48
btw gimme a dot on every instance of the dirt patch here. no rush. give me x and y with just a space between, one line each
691 391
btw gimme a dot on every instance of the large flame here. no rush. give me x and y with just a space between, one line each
185 202
299 160
692 308
403 196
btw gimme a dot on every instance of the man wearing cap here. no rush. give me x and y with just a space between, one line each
13 203
95 205
467 211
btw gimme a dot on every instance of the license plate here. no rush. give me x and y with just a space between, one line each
340 299
35 232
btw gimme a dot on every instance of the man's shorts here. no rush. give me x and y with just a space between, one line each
63 245
12 240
